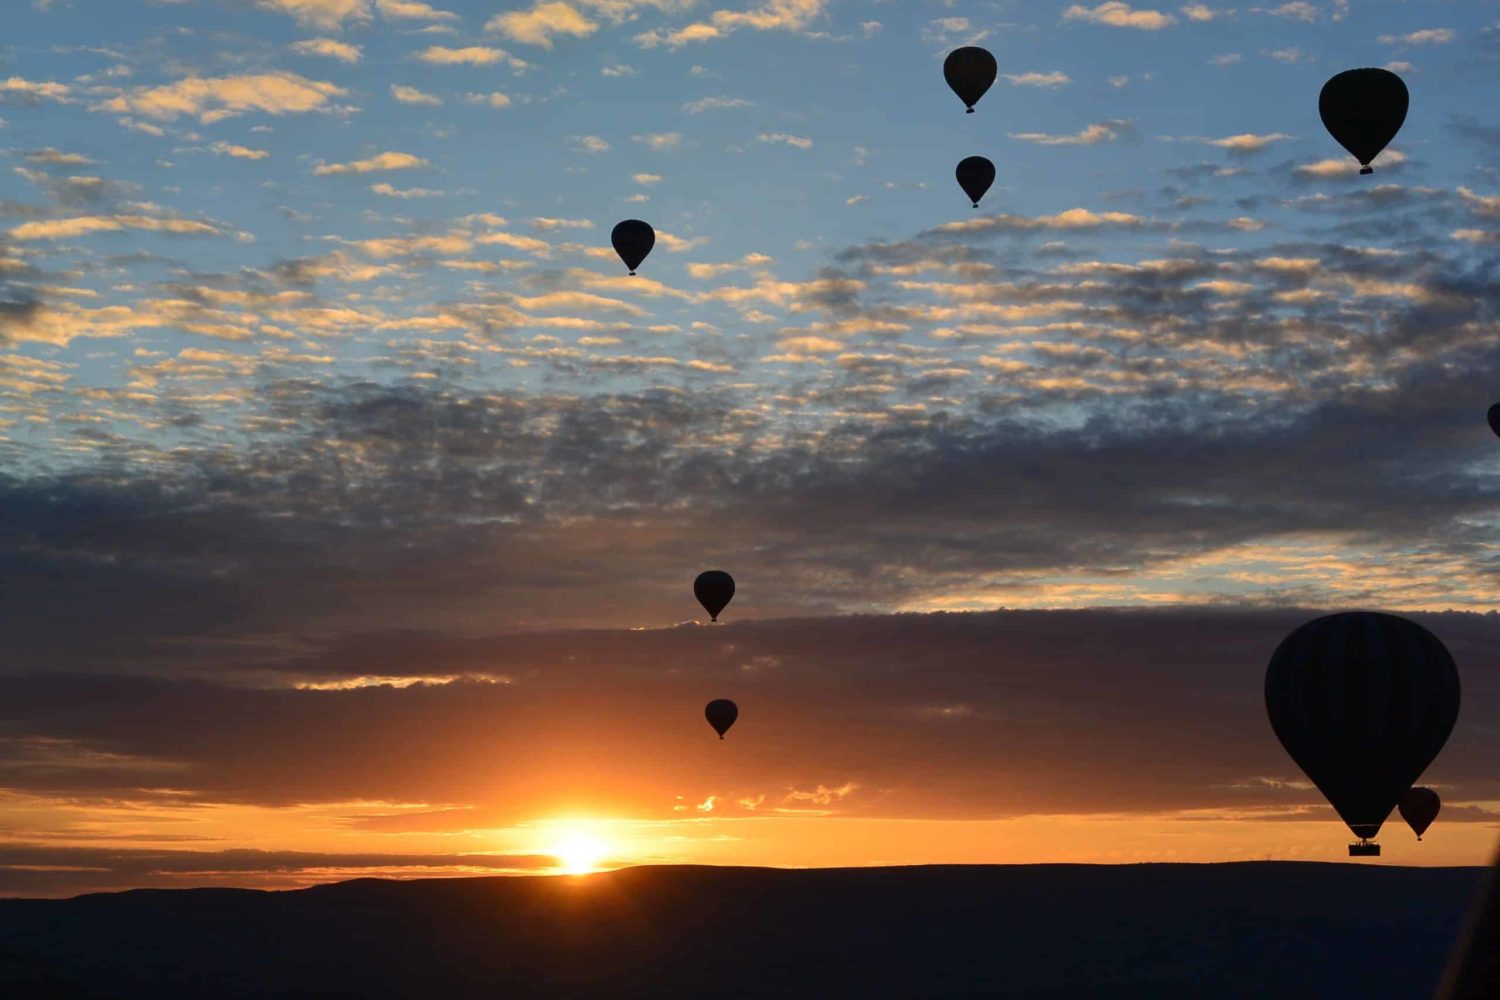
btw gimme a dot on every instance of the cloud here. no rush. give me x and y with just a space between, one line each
549 225
389 191
1427 36
328 47
52 157
1199 12
1291 56
19 88
411 95
212 99
1091 135
1480 204
785 139
238 152
659 140
591 144
774 15
1034 79
412 10
328 15
494 99
41 869
84 225
541 23
472 55
1347 166
702 104
1298 10
1119 15
380 161
1246 143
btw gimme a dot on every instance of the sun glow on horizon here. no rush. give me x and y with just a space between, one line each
578 850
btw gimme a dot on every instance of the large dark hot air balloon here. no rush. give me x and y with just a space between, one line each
1494 418
714 588
975 175
721 713
1419 807
633 240
1363 109
969 71
1362 702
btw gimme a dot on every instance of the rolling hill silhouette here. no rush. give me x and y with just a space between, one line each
1252 929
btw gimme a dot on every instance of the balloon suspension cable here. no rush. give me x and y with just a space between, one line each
1366 170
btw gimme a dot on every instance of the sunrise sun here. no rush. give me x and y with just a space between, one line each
578 852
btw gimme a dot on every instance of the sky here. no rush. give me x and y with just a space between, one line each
352 491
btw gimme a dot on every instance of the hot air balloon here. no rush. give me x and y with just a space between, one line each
1363 109
633 240
721 713
975 175
714 589
1494 419
1419 807
969 71
1362 702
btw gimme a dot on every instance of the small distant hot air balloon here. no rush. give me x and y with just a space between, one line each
633 240
1363 109
721 713
1419 807
714 589
970 71
1494 419
975 175
1362 702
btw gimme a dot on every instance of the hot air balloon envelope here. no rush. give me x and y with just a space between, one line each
1362 702
714 589
1363 109
1419 807
969 71
975 175
1494 419
721 713
633 240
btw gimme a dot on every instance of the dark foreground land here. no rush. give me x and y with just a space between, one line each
1282 930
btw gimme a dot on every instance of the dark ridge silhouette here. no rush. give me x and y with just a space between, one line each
1255 929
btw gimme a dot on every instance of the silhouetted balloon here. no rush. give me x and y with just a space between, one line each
1494 419
633 240
1363 109
714 589
721 713
969 71
975 175
1419 807
1362 702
